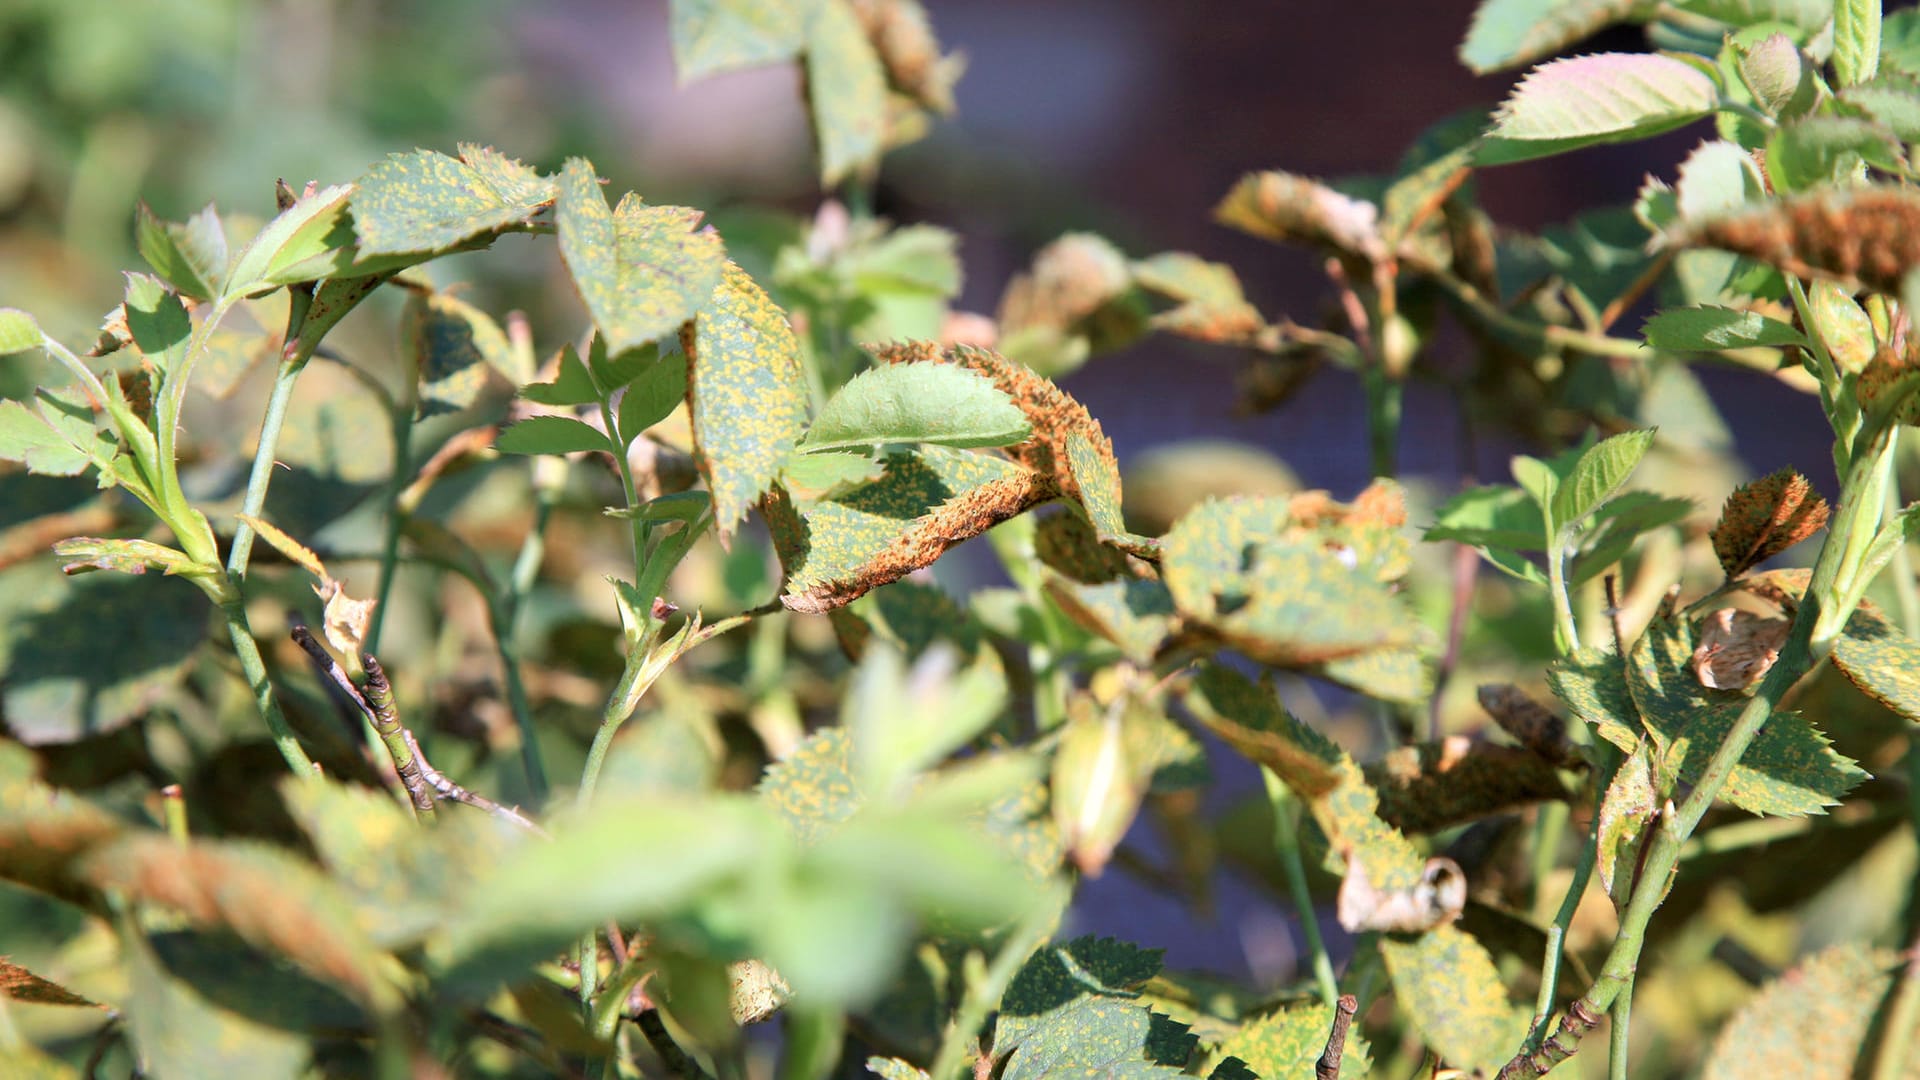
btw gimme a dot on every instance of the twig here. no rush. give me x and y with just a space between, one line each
661 1040
1328 1067
1566 1039
447 789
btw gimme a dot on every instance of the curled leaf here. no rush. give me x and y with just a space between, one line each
1285 207
1435 899
1737 648
1532 724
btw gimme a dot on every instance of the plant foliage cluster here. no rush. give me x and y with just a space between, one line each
693 742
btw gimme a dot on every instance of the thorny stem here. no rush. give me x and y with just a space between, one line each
1286 845
378 694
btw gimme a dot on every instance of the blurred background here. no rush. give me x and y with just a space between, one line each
1126 117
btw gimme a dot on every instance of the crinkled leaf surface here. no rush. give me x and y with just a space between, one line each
1607 97
1867 235
836 548
746 393
1593 684
1597 474
19 984
1285 207
641 270
426 201
1763 518
917 403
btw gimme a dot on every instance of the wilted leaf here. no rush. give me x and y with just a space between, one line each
746 393
1712 329
19 984
1288 208
1209 304
838 547
1433 786
846 91
1607 97
641 270
1508 33
1737 648
1821 1016
1446 982
1763 518
1530 723
426 201
916 403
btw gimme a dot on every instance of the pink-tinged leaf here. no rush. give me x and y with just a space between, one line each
1584 100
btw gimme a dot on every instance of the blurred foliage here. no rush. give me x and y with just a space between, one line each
642 709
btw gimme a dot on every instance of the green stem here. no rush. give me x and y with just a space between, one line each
1570 903
611 1005
1286 845
1544 333
1566 631
260 477
1620 1032
984 993
233 606
402 417
1549 826
1384 394
506 611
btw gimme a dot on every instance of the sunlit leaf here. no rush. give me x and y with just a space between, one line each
1289 1043
1208 302
1625 813
917 403
1822 149
1135 614
1883 662
1508 33
745 391
642 270
164 247
18 331
1063 973
1597 474
19 984
1765 517
1281 206
1820 1016
1606 97
1447 984
426 201
314 224
846 90
711 36
1711 329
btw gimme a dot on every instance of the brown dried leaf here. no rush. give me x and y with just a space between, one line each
1766 517
20 984
1434 786
1867 236
1737 647
1281 206
1532 724
1437 899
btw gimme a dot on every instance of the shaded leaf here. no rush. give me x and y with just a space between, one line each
426 201
641 270
846 91
1446 982
551 435
19 984
1060 974
712 36
179 1034
1820 1016
1765 517
1135 614
1593 685
745 391
1432 786
571 385
812 789
51 441
1893 100
1883 662
1711 329
1824 149
1508 33
163 245
837 547
653 395
452 344
1096 478
1607 97
916 403
1625 813
1099 1036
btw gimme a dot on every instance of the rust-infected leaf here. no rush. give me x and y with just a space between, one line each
1447 983
1882 661
837 548
745 391
1434 786
1866 236
1625 812
1531 724
1285 207
1766 517
1820 1016
641 270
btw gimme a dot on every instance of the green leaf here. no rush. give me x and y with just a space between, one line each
653 395
1789 770
745 391
1491 516
916 403
1593 685
837 547
847 91
314 224
27 438
1099 1036
1617 525
571 386
1135 614
125 556
918 259
1289 1043
1893 100
1628 808
426 201
1816 150
1856 41
712 36
1586 100
1446 982
1062 973
1779 76
905 721
1807 16
1508 33
178 1032
18 331
811 477
1210 305
1597 475
1883 662
1823 1016
642 270
1900 40
552 435
162 244
1712 329
813 790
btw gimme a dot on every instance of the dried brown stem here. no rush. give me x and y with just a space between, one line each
447 789
1328 1067
378 694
